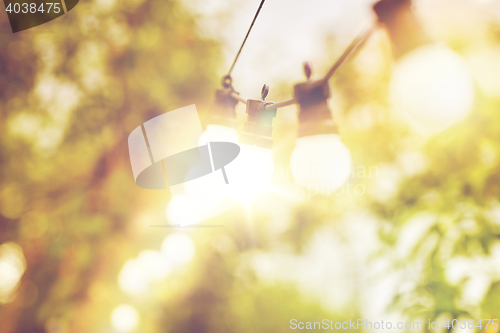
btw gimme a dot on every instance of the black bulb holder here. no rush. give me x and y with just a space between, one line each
224 108
258 128
402 25
312 97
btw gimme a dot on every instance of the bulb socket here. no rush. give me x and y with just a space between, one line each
402 25
258 128
314 115
224 109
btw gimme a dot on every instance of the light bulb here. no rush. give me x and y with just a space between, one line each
218 133
200 200
204 197
432 87
250 172
320 162
247 175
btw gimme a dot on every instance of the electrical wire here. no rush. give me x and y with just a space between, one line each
244 40
355 45
351 49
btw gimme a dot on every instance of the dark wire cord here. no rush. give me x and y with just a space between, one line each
244 41
355 45
351 49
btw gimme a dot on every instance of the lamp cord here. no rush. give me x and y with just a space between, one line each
355 45
244 40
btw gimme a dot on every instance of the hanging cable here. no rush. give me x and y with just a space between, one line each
244 40
238 97
356 43
354 46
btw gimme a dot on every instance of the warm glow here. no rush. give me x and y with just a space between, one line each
320 162
150 266
12 266
178 249
432 86
201 199
205 197
218 133
485 67
250 172
183 210
124 318
154 265
210 195
132 279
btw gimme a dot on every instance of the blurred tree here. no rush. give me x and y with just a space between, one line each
70 93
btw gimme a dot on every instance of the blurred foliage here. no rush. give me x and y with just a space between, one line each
72 91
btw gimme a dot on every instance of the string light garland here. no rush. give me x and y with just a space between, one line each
420 64
258 127
254 168
222 121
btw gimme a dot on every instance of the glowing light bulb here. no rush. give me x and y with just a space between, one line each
247 175
250 173
432 87
200 199
320 162
218 133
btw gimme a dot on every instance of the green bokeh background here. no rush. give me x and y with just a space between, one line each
72 91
